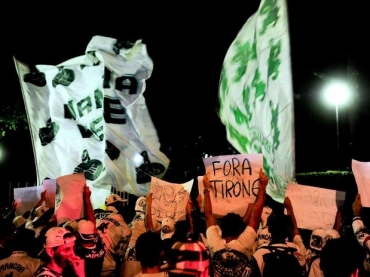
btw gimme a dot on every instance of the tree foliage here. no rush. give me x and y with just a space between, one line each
13 114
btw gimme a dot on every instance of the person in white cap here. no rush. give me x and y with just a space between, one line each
115 234
89 246
58 255
130 266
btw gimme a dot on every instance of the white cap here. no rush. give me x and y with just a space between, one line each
114 198
167 228
140 204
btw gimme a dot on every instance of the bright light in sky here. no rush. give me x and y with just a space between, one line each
337 93
3 153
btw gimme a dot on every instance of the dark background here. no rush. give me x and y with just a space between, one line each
188 42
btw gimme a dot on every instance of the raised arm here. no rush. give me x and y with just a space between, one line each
210 219
148 213
248 213
289 207
89 211
42 200
260 202
361 233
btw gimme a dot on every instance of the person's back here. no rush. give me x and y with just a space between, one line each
19 263
149 253
267 254
115 234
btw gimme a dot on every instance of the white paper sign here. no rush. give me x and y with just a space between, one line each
234 181
314 207
169 199
361 171
26 198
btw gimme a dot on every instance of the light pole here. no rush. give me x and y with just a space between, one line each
337 93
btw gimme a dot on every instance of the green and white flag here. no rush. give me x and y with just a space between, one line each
255 93
89 115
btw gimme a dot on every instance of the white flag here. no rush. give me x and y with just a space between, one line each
88 115
255 94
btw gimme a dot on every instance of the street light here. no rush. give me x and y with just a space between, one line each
337 93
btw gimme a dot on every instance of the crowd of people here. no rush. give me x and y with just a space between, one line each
119 241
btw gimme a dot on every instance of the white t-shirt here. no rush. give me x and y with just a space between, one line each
244 243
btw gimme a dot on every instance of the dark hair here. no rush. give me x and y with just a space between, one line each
279 226
152 241
231 225
24 239
340 257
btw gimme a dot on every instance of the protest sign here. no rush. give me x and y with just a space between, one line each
234 180
169 199
26 198
314 207
68 200
361 171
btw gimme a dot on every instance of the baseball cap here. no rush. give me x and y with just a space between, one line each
167 228
57 236
86 230
330 234
140 204
18 221
188 258
71 223
316 239
114 198
39 211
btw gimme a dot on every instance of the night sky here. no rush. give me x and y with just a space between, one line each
187 42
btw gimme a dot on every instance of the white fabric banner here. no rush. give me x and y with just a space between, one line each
255 93
169 199
88 115
234 181
314 207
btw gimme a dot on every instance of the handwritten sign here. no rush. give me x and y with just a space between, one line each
68 200
169 199
361 171
314 207
26 198
234 181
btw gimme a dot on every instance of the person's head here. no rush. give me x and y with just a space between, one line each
6 232
188 258
340 257
43 216
167 227
279 226
24 239
19 222
86 234
231 225
59 246
148 249
115 203
140 204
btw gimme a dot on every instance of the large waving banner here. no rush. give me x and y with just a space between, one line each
314 207
88 115
234 181
361 171
169 199
255 93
